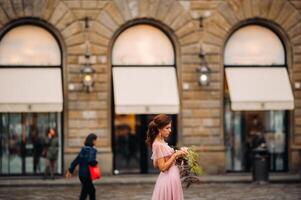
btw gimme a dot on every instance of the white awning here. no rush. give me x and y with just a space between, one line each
145 90
31 90
263 88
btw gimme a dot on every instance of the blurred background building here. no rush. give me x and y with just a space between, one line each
227 71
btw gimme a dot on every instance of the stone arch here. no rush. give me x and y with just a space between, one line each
155 23
271 25
57 18
55 13
118 13
280 16
178 25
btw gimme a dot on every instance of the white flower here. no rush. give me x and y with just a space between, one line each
185 149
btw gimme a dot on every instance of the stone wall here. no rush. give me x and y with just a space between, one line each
194 26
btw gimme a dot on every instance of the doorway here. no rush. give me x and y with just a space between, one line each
144 81
131 153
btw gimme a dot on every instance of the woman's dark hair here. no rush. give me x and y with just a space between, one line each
158 122
49 129
89 139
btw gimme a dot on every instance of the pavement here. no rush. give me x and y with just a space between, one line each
142 179
139 187
204 191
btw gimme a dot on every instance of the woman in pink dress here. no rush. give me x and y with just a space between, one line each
168 185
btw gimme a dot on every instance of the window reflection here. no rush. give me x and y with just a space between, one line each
131 153
127 152
22 141
246 130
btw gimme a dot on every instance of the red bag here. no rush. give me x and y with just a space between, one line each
94 172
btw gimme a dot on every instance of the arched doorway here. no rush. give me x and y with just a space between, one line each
31 98
257 98
144 84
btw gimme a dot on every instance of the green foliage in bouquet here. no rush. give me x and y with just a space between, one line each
192 158
190 170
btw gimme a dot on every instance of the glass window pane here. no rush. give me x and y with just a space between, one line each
22 142
29 45
143 45
236 154
51 120
60 137
16 144
245 131
254 45
34 145
4 137
30 132
276 138
126 140
42 124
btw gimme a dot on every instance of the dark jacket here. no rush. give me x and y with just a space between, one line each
52 145
86 156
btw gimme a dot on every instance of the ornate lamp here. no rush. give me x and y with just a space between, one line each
87 75
203 72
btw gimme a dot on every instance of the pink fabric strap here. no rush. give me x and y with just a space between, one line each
161 150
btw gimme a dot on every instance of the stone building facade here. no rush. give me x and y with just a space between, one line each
193 26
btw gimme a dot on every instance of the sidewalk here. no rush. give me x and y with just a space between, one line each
141 179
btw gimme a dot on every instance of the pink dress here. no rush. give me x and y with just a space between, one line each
168 185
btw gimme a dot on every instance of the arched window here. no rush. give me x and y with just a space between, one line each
144 84
29 45
257 96
143 61
254 45
143 45
31 99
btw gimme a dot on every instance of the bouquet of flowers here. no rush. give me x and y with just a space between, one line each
190 170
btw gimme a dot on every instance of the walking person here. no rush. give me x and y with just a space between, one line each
52 149
86 157
168 185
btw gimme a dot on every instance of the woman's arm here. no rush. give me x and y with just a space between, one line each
74 163
165 165
72 166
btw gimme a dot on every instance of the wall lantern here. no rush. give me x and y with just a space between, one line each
87 71
87 75
203 72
